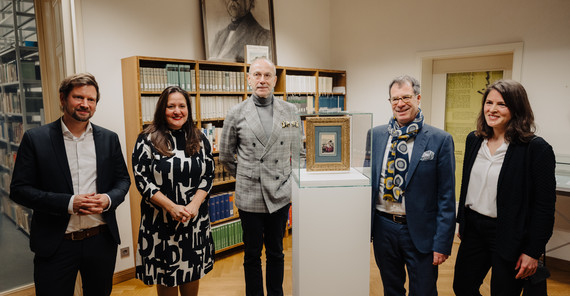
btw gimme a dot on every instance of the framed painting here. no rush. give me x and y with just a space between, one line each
328 143
230 25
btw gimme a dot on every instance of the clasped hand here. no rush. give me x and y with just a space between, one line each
90 203
182 213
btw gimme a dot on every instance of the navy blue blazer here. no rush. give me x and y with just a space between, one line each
42 182
430 187
526 196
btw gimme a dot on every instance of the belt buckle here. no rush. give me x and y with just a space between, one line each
398 219
79 234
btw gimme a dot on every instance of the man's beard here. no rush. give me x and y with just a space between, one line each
79 118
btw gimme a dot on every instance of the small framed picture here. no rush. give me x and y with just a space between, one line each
328 143
253 52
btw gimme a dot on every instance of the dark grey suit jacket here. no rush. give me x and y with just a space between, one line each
42 182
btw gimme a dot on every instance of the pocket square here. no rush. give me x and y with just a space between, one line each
427 155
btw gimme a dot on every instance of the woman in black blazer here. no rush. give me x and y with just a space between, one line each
506 206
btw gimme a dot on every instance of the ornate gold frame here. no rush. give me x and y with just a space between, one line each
311 124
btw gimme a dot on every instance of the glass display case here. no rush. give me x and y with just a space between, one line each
332 150
563 173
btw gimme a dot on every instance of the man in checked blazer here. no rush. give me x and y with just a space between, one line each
256 146
73 176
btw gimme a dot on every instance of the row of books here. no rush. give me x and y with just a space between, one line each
157 79
8 73
300 84
325 84
304 104
148 106
221 174
15 131
332 103
5 179
217 106
10 103
221 206
20 215
213 134
227 235
215 80
7 160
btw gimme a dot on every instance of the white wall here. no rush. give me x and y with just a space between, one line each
376 41
113 30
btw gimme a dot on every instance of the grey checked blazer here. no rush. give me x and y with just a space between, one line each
262 166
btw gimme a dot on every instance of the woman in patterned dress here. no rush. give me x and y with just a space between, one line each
173 168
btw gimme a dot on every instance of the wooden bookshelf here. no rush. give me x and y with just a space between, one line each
314 83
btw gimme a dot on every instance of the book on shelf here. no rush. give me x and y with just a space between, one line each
157 79
331 103
227 234
217 106
300 84
325 84
304 104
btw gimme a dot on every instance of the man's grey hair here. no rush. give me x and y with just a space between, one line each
259 59
401 80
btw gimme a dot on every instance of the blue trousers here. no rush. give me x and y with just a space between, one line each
394 251
268 229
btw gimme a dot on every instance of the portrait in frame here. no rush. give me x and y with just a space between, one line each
328 143
230 25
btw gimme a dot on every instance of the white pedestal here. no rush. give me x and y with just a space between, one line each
331 234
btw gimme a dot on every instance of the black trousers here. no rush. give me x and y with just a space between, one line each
268 229
94 257
477 254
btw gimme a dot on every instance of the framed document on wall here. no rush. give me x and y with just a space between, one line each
328 143
230 25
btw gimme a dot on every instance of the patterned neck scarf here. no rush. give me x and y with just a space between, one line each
398 158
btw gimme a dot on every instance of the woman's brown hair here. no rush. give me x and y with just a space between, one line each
158 129
521 127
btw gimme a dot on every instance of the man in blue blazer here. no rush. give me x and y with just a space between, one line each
413 199
72 174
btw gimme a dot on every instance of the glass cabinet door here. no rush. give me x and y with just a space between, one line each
21 108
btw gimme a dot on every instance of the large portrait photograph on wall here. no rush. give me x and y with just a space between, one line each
230 25
328 143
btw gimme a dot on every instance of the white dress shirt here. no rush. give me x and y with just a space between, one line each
82 162
482 190
386 205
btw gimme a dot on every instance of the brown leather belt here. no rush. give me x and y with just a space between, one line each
400 219
86 233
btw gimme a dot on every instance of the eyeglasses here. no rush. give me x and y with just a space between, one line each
266 76
396 100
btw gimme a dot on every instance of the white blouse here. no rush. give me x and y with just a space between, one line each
482 191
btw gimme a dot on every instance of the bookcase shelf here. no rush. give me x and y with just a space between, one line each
214 87
21 104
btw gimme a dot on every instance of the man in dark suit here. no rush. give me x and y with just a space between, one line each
243 30
413 199
72 174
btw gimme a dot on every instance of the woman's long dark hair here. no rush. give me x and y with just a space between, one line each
159 127
521 127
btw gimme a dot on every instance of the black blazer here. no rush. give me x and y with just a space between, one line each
42 182
526 196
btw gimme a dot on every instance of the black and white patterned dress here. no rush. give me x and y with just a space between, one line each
172 253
